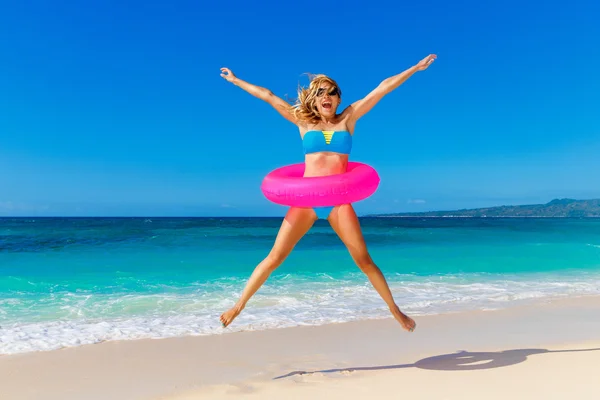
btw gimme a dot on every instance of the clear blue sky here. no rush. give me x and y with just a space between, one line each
117 108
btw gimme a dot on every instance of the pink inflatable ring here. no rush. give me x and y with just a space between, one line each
287 186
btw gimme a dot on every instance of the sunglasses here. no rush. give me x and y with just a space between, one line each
333 92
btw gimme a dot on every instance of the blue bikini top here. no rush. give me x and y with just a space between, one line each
334 141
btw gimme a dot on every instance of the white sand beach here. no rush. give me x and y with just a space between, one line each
547 350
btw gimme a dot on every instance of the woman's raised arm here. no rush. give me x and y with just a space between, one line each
262 93
364 105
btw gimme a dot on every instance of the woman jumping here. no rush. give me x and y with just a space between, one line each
327 141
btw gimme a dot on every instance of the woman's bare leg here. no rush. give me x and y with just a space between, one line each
295 224
345 223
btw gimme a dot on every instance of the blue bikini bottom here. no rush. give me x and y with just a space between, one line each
323 212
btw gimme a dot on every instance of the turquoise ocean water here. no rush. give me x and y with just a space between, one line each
72 281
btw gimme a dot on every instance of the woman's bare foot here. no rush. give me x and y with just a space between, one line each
407 322
228 316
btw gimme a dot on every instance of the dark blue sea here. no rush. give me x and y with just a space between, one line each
72 281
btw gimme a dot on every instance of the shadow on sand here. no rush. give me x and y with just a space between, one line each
460 361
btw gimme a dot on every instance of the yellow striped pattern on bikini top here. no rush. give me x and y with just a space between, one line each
328 135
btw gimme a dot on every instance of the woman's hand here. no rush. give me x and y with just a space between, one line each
426 62
227 74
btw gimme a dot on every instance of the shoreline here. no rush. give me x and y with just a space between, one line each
248 362
245 328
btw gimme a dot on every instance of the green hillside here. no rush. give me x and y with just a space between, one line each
566 208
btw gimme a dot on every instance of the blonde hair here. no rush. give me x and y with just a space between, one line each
305 108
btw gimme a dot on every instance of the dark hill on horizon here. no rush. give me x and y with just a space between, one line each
557 208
